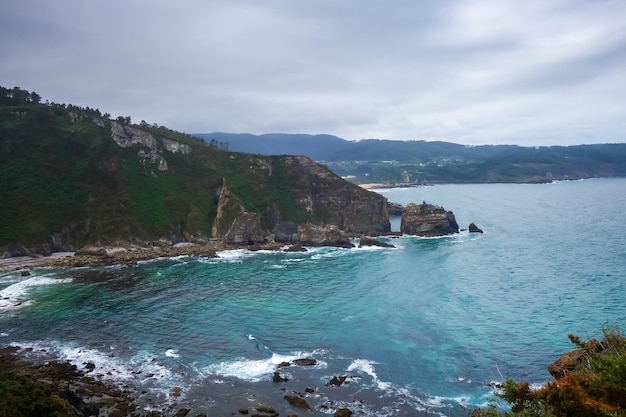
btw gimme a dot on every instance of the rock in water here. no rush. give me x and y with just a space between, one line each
427 220
304 362
369 241
474 229
331 235
296 401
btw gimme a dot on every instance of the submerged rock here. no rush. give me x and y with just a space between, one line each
296 401
427 220
296 248
343 412
304 362
278 378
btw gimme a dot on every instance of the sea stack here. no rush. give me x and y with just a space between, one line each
427 220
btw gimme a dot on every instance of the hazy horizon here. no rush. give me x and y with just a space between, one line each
469 72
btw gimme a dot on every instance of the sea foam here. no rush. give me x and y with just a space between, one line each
16 295
255 370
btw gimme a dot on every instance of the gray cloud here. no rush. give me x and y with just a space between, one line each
531 73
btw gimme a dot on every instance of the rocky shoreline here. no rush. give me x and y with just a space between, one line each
130 254
123 254
85 395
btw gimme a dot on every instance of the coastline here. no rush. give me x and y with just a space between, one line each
125 254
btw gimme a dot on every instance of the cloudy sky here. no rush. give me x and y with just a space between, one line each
537 72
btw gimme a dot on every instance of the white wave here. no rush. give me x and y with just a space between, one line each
255 370
294 260
373 248
367 367
233 255
15 295
172 353
333 253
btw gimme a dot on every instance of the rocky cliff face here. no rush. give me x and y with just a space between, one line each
427 220
333 208
99 181
326 196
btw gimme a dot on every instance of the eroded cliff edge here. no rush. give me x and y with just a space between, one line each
73 178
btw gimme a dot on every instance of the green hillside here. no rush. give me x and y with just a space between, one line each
67 181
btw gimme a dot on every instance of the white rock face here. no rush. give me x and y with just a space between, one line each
126 136
176 147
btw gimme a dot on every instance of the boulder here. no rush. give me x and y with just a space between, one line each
312 235
368 241
296 248
474 229
278 378
336 381
296 401
304 362
427 220
342 412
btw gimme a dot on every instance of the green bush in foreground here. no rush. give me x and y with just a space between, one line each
593 384
21 396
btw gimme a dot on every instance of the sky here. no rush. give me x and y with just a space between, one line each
535 72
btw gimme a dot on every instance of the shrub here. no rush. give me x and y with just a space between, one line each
21 396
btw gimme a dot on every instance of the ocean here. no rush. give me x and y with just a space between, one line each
420 329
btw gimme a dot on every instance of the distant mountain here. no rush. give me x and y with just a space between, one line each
393 162
316 147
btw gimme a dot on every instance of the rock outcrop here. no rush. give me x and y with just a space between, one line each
312 235
474 229
228 208
368 241
176 147
394 209
323 194
323 209
245 230
569 362
427 220
127 136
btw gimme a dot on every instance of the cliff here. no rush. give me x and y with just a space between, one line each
72 177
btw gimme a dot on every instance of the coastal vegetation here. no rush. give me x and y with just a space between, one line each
21 396
589 382
73 176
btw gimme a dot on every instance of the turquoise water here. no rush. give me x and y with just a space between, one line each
419 329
